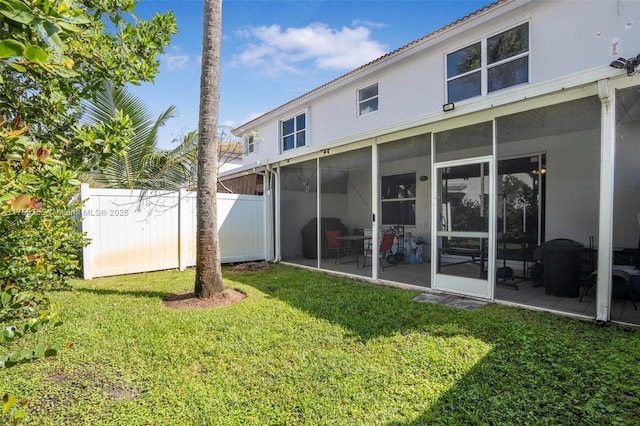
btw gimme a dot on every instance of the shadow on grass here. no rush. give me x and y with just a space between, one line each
541 369
367 311
110 292
553 377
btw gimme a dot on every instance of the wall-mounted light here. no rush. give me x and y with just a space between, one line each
629 64
423 178
448 107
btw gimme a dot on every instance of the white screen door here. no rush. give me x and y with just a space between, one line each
464 249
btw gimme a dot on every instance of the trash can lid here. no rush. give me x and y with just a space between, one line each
562 244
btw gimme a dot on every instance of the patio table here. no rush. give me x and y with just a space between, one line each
353 239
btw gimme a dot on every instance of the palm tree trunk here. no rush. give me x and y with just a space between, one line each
208 270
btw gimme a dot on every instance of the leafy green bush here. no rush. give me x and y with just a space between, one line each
23 313
40 250
16 304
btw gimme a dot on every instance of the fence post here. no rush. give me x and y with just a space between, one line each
85 223
182 217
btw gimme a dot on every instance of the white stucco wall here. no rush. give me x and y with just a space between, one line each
566 37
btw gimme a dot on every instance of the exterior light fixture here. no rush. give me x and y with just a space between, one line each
448 107
629 64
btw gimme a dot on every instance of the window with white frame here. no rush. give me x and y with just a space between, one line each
398 193
249 144
293 132
368 99
500 61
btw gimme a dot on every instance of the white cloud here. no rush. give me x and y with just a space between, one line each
233 124
369 24
175 59
228 123
294 49
175 62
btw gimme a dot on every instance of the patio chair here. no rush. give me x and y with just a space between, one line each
384 251
334 244
618 278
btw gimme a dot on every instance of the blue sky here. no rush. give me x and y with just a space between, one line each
274 51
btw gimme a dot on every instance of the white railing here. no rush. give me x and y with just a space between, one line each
138 231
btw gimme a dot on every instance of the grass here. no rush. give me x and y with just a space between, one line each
309 349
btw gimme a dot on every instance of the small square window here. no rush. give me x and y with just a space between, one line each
464 87
293 132
464 60
508 74
508 44
249 144
368 99
399 199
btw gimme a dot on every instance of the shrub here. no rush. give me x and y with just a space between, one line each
40 249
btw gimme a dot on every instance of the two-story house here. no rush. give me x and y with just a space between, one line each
515 127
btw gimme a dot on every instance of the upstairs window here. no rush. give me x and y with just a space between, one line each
508 58
293 131
496 63
368 99
463 72
249 144
399 199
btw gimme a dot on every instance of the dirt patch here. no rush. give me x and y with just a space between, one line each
251 267
189 300
87 382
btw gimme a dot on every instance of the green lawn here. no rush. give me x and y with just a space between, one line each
310 349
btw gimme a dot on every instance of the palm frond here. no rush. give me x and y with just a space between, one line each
143 165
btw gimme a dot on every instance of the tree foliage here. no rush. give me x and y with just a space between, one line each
53 55
56 53
143 165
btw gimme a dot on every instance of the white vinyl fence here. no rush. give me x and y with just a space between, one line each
137 231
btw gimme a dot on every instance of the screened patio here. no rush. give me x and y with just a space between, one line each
546 187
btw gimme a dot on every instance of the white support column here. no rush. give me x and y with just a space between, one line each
319 212
267 194
435 219
375 202
87 252
607 169
493 213
278 254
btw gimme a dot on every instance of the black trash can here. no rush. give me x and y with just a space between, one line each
561 260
